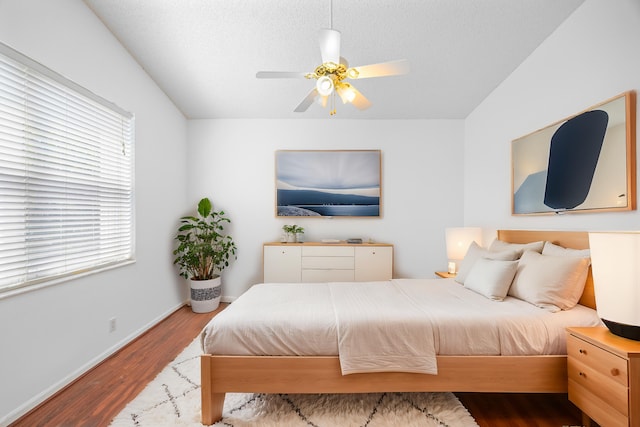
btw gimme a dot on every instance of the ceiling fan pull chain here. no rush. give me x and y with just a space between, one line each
333 104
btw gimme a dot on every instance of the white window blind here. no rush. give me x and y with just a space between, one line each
66 176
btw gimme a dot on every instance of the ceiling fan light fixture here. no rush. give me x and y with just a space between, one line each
346 92
324 85
331 74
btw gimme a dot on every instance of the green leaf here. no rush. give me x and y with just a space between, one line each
204 207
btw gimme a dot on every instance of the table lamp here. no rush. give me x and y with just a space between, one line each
615 261
458 240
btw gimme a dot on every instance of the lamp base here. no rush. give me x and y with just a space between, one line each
631 332
451 267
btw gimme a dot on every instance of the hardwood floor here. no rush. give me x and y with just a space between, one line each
99 395
102 393
521 409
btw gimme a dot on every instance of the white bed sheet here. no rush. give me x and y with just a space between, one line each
299 319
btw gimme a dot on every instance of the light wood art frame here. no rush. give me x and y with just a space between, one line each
328 183
612 187
321 374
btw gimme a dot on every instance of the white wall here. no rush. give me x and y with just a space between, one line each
232 162
590 58
58 332
50 336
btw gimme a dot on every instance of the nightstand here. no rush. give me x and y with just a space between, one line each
445 275
604 376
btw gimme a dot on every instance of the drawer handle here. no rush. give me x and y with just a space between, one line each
615 372
583 351
582 374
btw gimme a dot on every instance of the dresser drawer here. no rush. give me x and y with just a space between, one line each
596 408
328 262
608 364
597 385
311 275
328 251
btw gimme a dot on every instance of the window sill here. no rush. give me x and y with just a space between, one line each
23 289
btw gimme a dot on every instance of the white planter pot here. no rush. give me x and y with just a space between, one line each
205 294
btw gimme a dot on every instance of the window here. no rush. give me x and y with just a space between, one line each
66 177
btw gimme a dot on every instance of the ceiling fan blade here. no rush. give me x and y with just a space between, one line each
307 101
383 69
330 45
279 74
359 101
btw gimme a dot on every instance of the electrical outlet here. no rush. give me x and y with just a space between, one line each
112 324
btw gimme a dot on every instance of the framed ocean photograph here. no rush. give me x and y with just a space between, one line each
328 183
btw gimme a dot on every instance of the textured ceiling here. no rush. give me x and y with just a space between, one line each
205 53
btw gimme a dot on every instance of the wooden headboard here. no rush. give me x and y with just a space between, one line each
567 239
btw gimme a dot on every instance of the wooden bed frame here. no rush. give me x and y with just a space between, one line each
321 374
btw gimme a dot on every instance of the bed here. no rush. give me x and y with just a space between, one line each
223 373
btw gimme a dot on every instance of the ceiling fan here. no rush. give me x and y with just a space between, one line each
332 74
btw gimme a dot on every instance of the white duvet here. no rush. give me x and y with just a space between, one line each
397 325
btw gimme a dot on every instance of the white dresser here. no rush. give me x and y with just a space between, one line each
322 262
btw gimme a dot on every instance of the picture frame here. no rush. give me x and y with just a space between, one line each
584 163
328 183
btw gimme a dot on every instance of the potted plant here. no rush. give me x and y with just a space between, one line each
203 251
292 232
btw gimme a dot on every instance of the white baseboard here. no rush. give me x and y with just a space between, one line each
69 379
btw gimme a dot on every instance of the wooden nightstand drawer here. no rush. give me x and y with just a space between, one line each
607 364
596 408
595 384
604 376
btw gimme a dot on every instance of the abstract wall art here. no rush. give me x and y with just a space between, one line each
584 163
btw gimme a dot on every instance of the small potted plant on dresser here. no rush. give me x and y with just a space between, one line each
292 232
203 251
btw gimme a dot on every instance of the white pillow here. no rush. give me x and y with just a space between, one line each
499 245
556 250
476 252
491 278
551 282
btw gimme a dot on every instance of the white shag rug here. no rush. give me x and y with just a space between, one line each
173 399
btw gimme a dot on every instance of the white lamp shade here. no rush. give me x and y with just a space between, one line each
458 240
346 92
615 261
324 85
